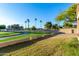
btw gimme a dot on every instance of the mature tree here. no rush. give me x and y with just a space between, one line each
15 27
68 15
8 27
48 25
71 13
61 16
33 28
40 23
55 27
25 24
67 25
2 26
28 22
35 21
21 27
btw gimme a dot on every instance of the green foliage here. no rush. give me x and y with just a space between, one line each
68 24
15 27
28 21
48 25
55 26
71 12
40 21
35 19
61 17
2 27
68 15
33 28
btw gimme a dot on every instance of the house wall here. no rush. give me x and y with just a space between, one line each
68 30
77 18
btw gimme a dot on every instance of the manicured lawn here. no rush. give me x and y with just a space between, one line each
62 45
3 34
24 36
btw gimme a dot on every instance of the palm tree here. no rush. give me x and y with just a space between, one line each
35 21
25 24
28 22
40 23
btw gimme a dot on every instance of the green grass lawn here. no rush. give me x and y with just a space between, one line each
24 36
3 34
59 46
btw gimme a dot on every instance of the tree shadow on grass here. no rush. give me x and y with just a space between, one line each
14 47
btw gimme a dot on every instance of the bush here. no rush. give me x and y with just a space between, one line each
33 28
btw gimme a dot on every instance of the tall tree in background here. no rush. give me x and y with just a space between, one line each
25 24
33 28
67 24
48 25
2 26
36 22
55 27
40 23
15 27
28 21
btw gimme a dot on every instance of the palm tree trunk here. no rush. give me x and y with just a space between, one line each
25 25
36 24
28 25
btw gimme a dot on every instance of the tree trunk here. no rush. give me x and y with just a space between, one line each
28 25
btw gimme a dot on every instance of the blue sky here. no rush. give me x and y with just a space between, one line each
17 13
